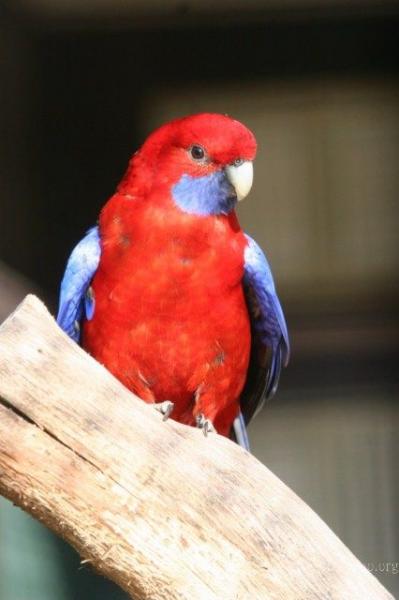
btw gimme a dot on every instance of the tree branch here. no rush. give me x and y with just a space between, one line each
154 506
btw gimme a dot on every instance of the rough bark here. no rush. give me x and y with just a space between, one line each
154 506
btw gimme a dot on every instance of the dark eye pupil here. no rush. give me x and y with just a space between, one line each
197 152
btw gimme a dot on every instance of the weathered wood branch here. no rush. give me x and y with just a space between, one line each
154 506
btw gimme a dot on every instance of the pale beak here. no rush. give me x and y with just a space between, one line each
241 177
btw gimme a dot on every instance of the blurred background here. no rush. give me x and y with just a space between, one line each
81 85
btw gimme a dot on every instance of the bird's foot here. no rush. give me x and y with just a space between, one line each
205 424
165 408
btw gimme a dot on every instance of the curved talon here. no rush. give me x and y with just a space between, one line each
205 424
165 408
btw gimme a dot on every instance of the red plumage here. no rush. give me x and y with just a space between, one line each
170 319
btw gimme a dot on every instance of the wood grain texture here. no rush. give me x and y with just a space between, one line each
154 506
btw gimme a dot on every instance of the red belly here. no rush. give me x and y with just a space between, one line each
174 346
170 317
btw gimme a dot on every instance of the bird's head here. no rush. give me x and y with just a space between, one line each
205 161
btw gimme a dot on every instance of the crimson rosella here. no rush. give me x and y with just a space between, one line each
169 293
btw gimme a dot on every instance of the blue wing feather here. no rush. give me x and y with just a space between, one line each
267 317
240 432
75 301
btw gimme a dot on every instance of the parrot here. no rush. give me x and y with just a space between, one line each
169 293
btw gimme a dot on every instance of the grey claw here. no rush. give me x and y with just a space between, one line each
165 408
205 424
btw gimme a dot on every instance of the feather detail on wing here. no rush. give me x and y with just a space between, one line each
270 343
239 432
76 299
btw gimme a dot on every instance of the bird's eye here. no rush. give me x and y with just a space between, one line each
238 162
197 152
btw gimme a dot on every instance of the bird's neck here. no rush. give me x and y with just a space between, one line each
125 221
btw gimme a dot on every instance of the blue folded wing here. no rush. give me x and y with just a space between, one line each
270 342
76 299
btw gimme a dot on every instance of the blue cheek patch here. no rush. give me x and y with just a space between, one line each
209 195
